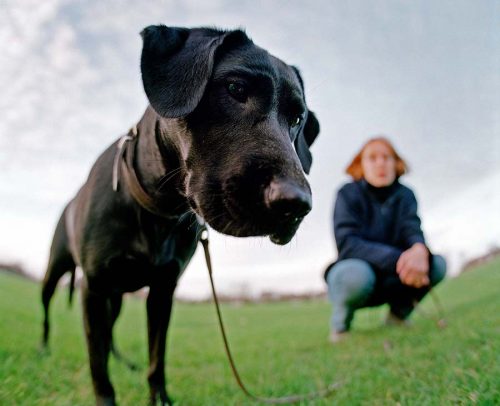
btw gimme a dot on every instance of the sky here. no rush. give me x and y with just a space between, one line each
424 73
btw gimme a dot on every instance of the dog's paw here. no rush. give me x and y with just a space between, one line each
43 350
160 397
105 401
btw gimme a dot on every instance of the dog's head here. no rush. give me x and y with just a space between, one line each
241 124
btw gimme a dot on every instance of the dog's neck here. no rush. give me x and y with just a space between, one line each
157 163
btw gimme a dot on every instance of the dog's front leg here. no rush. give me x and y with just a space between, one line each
97 326
159 306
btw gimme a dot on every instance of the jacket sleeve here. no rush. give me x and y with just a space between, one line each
350 244
410 228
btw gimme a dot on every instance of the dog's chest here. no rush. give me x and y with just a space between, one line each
163 241
159 247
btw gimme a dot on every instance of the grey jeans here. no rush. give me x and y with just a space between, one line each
353 284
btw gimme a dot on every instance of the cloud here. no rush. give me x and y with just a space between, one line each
426 74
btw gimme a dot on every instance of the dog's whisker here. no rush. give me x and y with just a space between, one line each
166 178
228 226
212 219
183 216
169 174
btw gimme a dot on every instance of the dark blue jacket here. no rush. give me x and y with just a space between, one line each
376 224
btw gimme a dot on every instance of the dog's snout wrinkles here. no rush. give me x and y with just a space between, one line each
287 200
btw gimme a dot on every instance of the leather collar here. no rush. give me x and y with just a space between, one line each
124 165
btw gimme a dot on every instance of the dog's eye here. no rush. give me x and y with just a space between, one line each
238 91
297 121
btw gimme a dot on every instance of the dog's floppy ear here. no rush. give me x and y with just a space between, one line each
176 64
308 134
305 139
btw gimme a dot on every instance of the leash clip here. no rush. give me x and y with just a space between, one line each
204 229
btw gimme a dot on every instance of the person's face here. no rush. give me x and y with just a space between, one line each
379 164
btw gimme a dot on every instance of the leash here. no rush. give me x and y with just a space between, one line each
278 400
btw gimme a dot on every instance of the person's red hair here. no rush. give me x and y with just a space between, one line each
356 170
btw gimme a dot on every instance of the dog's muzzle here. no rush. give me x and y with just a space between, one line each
287 204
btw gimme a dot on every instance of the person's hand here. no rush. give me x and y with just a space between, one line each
413 266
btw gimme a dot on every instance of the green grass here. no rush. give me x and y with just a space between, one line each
280 349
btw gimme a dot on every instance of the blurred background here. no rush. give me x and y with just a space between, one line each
424 73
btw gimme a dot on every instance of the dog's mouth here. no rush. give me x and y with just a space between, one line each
231 219
243 205
255 221
284 235
280 236
281 239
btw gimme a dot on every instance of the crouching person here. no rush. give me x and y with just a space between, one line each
382 254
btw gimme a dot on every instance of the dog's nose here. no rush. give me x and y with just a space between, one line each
287 200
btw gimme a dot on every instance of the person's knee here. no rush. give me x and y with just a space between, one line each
352 280
438 269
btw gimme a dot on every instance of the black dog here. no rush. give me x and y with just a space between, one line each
226 138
